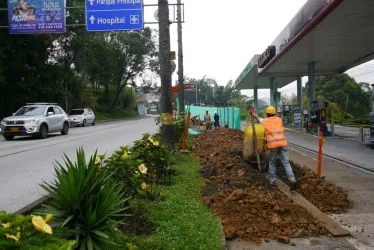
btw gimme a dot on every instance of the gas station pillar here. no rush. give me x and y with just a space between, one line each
311 85
311 82
255 98
272 91
300 101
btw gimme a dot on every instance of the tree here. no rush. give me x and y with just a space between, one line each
340 88
167 129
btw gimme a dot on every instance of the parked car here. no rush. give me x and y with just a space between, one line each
81 117
35 119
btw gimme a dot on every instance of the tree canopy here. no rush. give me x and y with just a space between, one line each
82 68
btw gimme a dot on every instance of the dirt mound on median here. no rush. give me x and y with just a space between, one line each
247 205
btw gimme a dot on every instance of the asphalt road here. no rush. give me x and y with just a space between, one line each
26 162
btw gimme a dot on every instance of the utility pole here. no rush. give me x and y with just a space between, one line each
167 129
180 59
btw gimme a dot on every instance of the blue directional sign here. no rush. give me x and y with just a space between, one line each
109 15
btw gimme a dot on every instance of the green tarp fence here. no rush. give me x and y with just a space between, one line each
227 115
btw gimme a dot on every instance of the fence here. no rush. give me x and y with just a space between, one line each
227 115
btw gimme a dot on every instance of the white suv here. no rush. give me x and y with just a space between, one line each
35 119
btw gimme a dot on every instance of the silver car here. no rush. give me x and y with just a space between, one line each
35 119
81 117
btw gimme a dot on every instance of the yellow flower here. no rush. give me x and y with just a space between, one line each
144 186
147 146
156 143
7 225
97 160
143 169
125 155
150 139
47 218
40 225
14 237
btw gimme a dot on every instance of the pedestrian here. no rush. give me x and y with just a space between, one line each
216 120
277 144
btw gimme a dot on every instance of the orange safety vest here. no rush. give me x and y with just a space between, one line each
274 132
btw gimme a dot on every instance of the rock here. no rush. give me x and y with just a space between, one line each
293 244
267 240
283 239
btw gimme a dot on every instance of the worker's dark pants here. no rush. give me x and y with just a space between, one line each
283 153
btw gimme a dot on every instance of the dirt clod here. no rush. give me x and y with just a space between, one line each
283 239
251 208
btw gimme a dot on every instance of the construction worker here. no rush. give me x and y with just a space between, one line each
276 143
207 120
207 116
216 120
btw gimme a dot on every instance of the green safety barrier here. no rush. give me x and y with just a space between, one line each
226 114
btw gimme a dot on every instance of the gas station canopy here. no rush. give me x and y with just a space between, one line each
334 34
250 78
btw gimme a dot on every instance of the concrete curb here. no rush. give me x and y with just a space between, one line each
122 119
32 205
223 238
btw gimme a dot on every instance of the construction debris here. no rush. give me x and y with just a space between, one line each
249 207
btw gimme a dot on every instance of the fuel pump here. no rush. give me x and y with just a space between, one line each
286 114
318 116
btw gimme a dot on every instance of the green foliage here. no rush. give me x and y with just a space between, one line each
18 232
180 232
87 69
157 158
244 103
336 89
84 201
129 171
179 127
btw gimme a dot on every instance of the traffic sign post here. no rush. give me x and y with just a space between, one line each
110 15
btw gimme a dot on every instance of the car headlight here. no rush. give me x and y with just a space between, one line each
30 121
3 122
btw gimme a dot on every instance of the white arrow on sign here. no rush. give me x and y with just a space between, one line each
91 2
92 19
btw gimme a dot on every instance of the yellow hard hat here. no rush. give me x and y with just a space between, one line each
270 110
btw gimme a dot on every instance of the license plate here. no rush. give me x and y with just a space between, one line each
13 129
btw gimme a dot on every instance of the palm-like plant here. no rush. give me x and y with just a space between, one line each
84 201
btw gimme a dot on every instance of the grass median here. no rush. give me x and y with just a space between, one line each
180 220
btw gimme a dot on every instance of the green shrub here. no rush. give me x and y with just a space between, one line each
130 172
179 127
85 202
29 233
156 157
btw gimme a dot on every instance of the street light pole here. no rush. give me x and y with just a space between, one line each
180 59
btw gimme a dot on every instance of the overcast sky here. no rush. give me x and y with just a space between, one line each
220 37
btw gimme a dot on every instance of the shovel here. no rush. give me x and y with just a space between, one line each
255 143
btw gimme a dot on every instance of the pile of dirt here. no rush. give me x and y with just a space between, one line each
324 194
248 206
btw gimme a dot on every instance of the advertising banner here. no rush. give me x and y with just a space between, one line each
36 16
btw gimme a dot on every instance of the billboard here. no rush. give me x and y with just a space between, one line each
36 16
